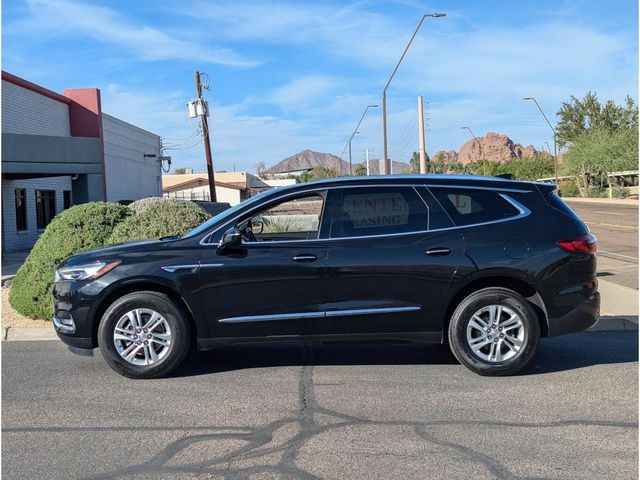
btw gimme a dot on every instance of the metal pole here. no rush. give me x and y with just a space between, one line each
207 145
421 142
348 145
350 169
367 157
385 159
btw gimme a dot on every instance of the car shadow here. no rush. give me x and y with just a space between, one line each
555 354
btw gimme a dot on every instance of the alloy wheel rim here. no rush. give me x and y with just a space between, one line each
495 333
142 337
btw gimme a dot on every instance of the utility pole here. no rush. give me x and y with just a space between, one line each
423 153
555 142
207 145
367 157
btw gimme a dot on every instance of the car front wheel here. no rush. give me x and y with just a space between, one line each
144 335
494 331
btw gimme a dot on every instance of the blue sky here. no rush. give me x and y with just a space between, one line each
286 76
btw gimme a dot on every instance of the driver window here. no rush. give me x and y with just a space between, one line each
297 219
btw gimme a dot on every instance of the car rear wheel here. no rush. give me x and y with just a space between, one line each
494 331
144 335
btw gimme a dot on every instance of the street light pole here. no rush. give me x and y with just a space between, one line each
555 143
484 167
385 164
348 145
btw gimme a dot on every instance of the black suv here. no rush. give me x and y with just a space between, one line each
485 264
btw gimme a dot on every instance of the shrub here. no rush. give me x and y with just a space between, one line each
76 229
597 191
144 203
620 192
158 219
569 189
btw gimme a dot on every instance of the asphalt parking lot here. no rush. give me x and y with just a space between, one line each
616 227
374 410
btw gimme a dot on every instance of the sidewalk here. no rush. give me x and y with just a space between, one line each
609 201
618 308
11 262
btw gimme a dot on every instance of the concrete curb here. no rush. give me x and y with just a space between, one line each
40 334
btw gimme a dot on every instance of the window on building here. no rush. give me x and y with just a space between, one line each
66 198
468 207
379 211
45 207
21 209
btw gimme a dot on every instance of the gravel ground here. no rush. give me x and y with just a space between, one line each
11 318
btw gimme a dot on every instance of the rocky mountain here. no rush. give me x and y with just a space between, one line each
495 147
306 160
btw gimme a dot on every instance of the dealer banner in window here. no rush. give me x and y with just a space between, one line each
379 210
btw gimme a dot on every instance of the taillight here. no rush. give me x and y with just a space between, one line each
586 244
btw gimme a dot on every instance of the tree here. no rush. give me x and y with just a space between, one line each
598 152
415 162
179 171
317 173
579 116
360 170
260 168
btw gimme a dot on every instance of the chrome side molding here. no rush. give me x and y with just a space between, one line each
326 314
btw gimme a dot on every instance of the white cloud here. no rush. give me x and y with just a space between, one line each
66 17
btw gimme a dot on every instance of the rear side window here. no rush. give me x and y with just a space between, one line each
468 206
379 211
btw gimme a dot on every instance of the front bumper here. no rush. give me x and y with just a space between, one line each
579 319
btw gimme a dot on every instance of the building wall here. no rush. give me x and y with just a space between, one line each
129 175
30 113
224 195
12 240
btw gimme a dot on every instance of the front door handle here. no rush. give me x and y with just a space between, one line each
438 252
305 257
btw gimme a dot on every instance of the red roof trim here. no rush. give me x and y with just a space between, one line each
21 82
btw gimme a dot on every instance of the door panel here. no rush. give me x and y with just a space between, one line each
392 278
263 290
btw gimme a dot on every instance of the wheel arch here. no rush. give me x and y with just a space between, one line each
518 285
139 286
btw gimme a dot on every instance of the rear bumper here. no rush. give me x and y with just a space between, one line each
579 319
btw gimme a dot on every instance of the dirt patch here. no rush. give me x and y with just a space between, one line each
11 318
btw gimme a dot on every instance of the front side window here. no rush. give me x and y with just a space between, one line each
295 219
21 209
379 211
469 207
45 207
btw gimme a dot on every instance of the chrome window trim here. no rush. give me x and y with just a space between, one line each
324 314
523 212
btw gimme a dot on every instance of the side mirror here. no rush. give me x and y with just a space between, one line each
230 239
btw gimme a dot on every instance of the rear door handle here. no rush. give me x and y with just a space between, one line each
438 252
305 257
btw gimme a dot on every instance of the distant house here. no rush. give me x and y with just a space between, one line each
231 187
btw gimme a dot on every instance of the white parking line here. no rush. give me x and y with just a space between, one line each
618 255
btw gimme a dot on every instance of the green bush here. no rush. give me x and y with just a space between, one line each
76 229
597 191
620 192
144 203
569 189
159 219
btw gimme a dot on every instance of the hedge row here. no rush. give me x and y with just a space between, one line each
93 225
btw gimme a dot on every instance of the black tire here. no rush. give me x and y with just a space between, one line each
172 313
463 315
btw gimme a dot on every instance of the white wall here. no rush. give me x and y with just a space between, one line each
12 240
129 175
29 113
223 194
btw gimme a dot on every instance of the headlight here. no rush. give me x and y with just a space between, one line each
90 271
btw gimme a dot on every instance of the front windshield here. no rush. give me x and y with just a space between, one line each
227 213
